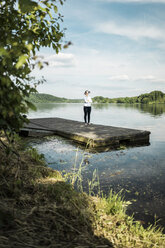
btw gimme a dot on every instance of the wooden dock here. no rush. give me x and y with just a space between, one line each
91 135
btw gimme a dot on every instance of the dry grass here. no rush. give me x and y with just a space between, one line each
38 209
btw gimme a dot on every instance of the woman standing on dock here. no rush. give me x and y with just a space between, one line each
87 107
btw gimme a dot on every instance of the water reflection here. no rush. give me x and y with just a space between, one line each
101 105
153 109
56 109
49 106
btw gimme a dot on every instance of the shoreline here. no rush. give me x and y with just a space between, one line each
42 196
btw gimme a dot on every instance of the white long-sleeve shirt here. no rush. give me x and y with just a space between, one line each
87 101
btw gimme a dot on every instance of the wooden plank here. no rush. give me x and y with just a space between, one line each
92 135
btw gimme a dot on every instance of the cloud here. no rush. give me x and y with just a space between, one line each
150 78
147 78
143 78
60 60
132 31
119 78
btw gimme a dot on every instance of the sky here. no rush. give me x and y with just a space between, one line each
118 49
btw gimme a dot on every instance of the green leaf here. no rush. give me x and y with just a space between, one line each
55 9
50 14
31 105
29 47
21 61
27 5
3 52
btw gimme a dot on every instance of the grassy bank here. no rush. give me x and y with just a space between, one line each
39 209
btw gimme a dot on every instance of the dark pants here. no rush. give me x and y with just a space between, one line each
87 112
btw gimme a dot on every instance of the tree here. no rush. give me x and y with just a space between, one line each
26 26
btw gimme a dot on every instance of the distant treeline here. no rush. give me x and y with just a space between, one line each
152 97
47 98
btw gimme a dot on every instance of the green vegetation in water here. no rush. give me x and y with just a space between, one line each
38 208
152 97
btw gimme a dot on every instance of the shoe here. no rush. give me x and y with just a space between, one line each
86 124
89 123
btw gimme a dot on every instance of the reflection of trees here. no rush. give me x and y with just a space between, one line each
101 105
154 109
49 106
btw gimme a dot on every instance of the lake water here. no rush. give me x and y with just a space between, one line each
138 171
